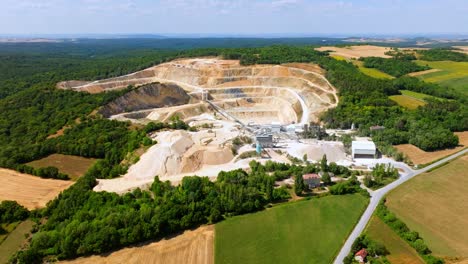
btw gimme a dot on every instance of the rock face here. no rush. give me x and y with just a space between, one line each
153 95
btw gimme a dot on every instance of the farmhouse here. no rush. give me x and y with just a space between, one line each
313 180
361 255
363 149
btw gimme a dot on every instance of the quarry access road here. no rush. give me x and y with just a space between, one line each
377 196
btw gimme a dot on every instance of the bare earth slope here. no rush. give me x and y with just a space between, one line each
152 95
262 92
191 247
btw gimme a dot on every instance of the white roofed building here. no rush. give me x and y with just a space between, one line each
363 149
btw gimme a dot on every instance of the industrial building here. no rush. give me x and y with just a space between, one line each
265 140
363 149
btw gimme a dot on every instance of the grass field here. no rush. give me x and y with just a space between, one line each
400 251
407 101
411 100
14 240
435 205
8 228
451 74
371 71
298 232
419 96
30 191
74 166
419 156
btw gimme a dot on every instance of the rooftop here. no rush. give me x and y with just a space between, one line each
362 253
311 176
363 145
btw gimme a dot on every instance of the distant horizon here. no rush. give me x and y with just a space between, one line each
235 35
235 17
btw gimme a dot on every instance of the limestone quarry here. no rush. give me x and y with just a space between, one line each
224 100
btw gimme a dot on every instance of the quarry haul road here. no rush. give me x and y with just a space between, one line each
375 199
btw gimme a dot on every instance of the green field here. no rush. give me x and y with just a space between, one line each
372 72
400 251
298 232
407 101
435 205
452 74
412 100
14 240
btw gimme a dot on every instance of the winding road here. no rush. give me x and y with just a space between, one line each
377 195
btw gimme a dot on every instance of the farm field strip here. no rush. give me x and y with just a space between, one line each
407 101
400 251
14 240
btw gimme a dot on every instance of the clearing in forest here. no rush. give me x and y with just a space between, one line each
407 101
434 204
191 247
400 251
30 191
419 156
73 166
310 231
451 74
372 72
355 52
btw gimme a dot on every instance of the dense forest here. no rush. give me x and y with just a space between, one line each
82 222
442 55
395 66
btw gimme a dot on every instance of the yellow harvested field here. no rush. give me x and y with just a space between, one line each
30 191
435 205
191 247
463 49
355 52
419 156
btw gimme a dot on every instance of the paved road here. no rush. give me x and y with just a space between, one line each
375 199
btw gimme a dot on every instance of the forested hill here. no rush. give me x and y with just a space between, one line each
39 109
82 222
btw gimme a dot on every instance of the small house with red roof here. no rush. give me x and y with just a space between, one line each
361 255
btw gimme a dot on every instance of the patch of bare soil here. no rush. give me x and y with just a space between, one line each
191 247
414 74
30 191
355 52
419 156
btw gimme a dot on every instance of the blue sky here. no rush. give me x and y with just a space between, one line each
233 17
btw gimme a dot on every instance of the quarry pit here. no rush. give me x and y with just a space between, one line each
224 100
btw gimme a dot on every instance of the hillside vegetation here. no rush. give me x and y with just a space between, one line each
82 222
442 55
394 67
